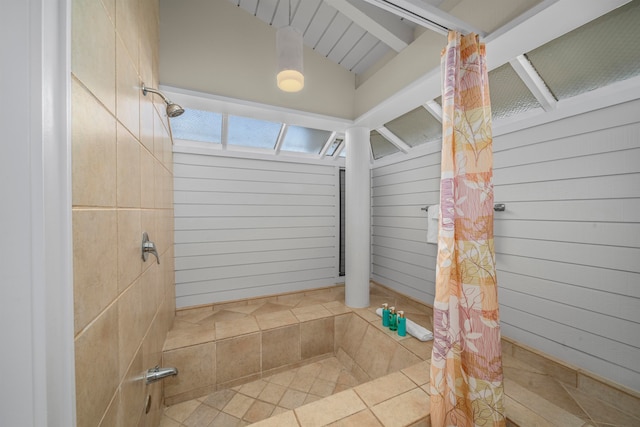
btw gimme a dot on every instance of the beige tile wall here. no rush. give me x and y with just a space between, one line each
122 185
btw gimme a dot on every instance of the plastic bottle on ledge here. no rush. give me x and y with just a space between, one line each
393 319
402 324
385 315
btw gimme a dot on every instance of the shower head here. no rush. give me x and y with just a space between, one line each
173 110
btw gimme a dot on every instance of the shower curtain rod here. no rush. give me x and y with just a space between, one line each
498 207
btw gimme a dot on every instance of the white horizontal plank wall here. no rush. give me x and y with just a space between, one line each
401 257
249 227
568 244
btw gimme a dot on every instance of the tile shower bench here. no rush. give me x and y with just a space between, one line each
223 348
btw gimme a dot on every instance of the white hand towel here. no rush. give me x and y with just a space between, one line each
433 214
413 329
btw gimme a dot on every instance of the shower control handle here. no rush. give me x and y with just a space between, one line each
148 247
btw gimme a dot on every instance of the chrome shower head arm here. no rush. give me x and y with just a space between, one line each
157 92
173 110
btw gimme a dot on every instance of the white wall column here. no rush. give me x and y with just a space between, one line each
357 217
36 272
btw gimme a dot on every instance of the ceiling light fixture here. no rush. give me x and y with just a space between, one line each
289 51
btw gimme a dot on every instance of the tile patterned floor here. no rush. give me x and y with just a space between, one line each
533 396
257 400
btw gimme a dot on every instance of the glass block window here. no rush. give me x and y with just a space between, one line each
305 140
416 127
197 125
604 51
380 146
509 95
252 132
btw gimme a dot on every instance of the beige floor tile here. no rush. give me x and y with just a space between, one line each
292 399
425 422
402 358
311 312
283 378
368 314
219 399
248 309
422 349
270 308
272 393
345 378
276 319
312 398
279 410
238 405
523 416
384 388
259 411
629 402
253 389
285 419
559 370
337 307
202 416
181 411
341 387
404 409
194 315
322 388
548 388
290 299
601 412
312 369
331 371
234 328
186 336
225 420
330 409
224 316
361 419
540 406
302 382
418 373
168 422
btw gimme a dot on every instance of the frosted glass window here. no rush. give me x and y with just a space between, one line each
380 146
252 132
509 95
197 125
416 127
305 140
604 51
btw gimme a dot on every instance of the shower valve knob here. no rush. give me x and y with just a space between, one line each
148 247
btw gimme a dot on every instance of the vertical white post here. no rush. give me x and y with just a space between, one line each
36 272
358 217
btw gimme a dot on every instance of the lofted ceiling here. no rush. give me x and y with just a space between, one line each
360 34
547 59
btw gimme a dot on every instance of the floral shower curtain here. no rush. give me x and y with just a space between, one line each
466 363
